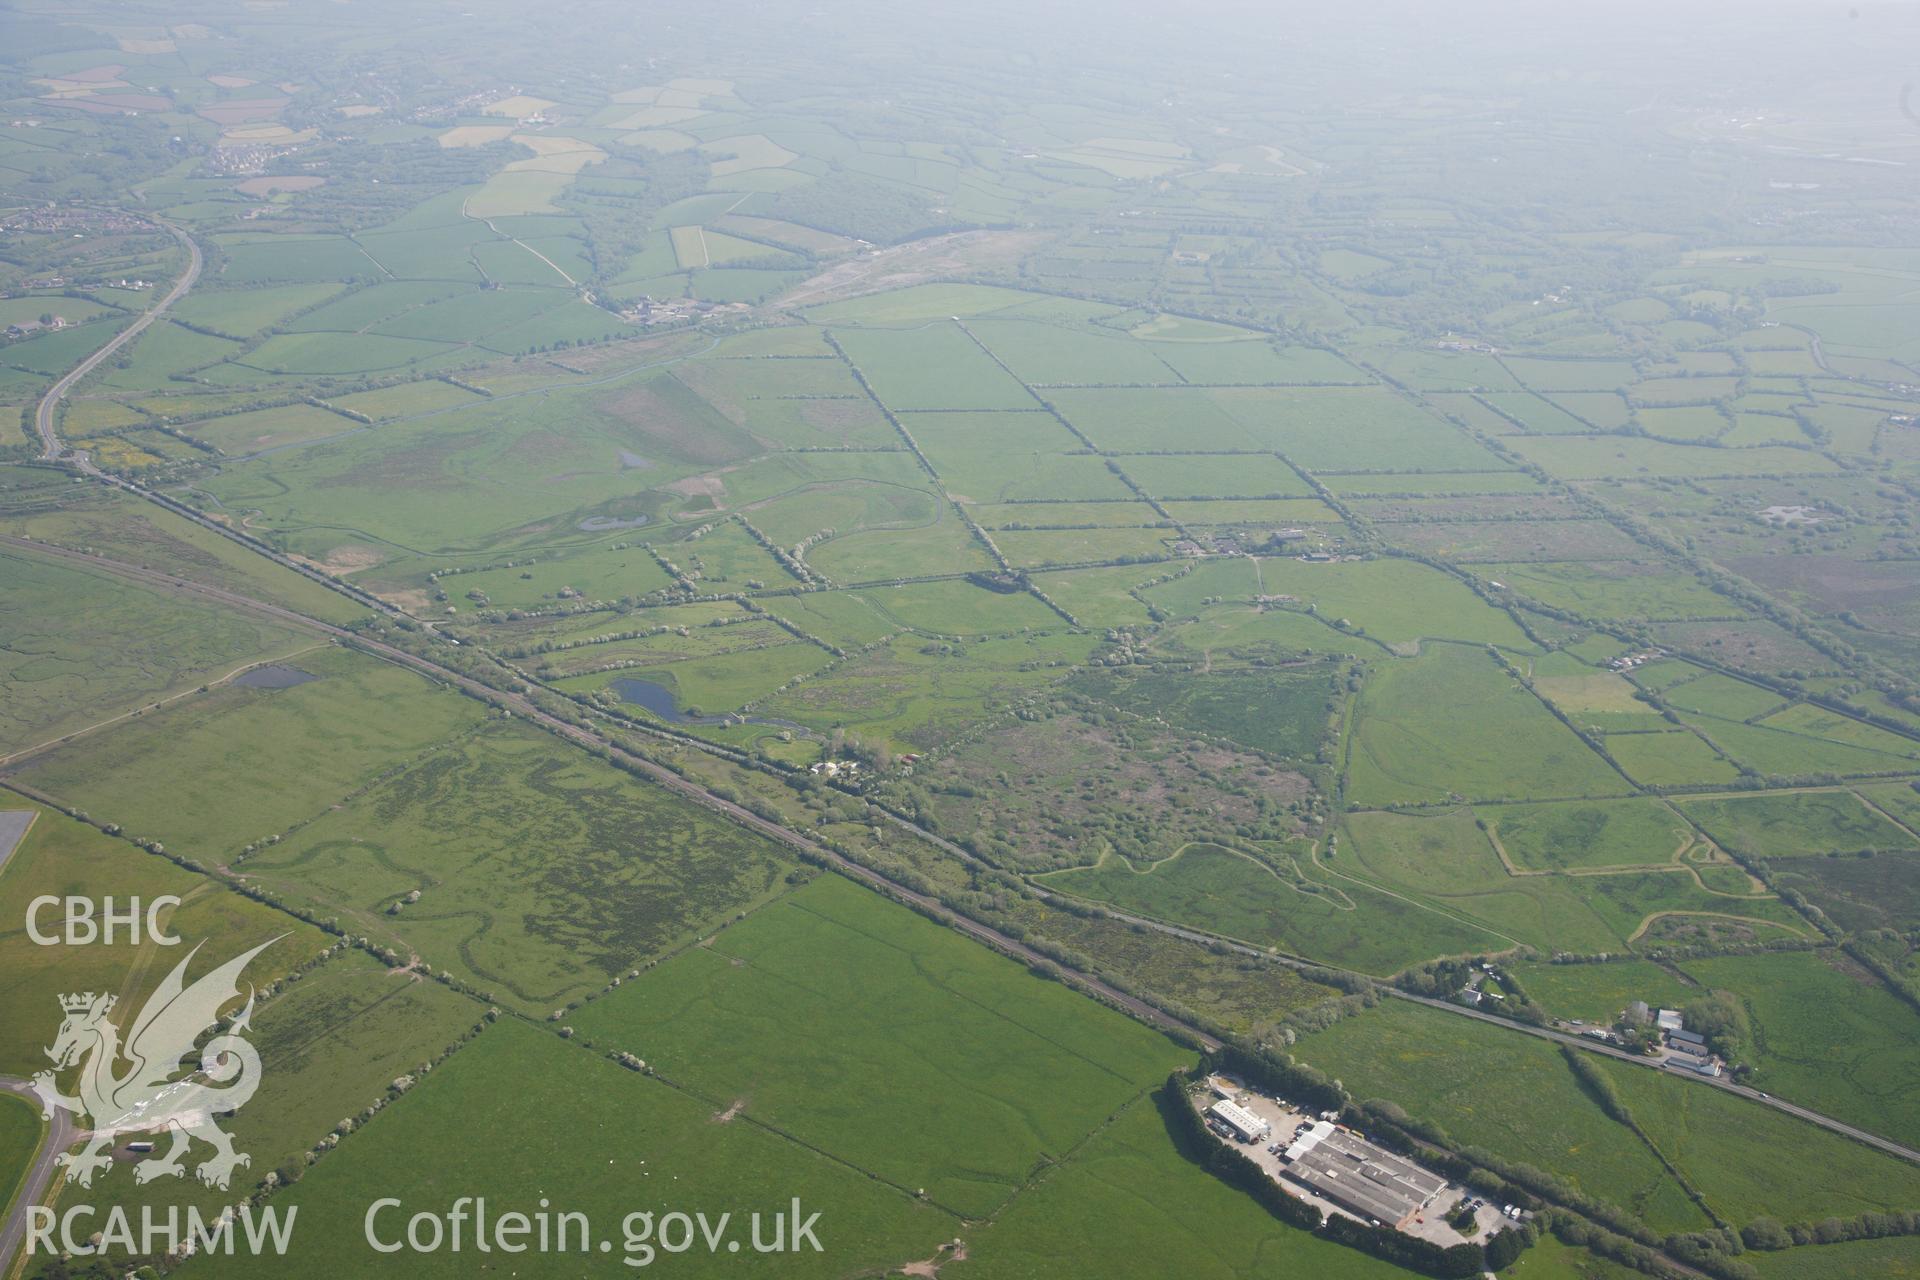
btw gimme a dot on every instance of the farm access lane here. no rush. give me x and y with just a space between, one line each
51 450
524 707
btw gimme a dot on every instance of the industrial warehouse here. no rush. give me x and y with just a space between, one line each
1358 1176
1332 1167
1244 1125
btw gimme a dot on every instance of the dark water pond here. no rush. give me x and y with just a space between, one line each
659 699
600 524
273 676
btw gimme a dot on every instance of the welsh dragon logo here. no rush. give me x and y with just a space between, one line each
152 1095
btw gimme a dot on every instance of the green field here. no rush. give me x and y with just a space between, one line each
62 857
829 1017
1551 1260
1598 993
1896 1259
1612 590
1350 429
1533 1111
1452 722
666 1151
243 312
235 765
1675 758
1446 861
932 367
1720 1143
20 1132
1282 714
1798 824
143 533
1558 837
244 433
330 1043
1787 753
81 646
1282 901
913 693
1827 1035
1397 602
1131 1205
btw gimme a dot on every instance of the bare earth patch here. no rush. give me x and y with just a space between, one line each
475 135
709 486
342 561
915 262
929 1269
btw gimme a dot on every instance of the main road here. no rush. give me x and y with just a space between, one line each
51 450
60 1135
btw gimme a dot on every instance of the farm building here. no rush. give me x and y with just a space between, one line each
834 768
1243 1122
1669 1020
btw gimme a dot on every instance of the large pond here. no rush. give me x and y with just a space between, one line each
659 699
601 524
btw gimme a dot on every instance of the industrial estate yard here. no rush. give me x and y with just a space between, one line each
1338 1171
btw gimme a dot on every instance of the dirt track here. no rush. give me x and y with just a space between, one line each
914 262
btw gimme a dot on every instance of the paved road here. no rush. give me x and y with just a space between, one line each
51 450
527 709
61 1134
